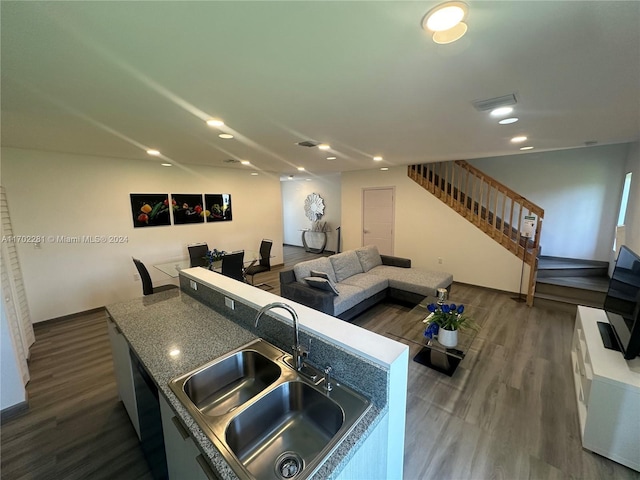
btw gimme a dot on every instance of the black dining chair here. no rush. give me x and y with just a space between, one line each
264 265
147 284
197 254
232 265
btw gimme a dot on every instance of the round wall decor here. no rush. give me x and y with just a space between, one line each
314 207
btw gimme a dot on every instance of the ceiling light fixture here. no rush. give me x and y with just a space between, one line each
167 164
445 21
324 146
225 135
519 139
526 148
254 173
245 162
384 169
377 159
497 112
508 121
215 122
153 152
331 158
301 169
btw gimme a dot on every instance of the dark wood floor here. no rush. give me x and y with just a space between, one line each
509 412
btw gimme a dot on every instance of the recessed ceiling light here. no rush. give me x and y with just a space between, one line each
384 169
324 146
245 162
331 158
215 122
519 139
507 121
301 169
175 352
153 152
496 112
445 21
526 148
377 159
308 179
254 173
225 135
166 164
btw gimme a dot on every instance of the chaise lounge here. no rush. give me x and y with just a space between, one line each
346 284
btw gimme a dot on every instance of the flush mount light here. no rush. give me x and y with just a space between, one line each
254 173
377 159
519 139
167 164
215 122
301 169
384 169
445 22
153 152
324 146
245 162
308 179
331 158
225 135
507 121
526 148
175 352
497 112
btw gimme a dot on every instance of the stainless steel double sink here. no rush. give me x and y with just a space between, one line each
268 420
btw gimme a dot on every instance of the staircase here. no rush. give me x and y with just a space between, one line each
565 282
491 206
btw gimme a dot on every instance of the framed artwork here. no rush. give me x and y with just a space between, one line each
218 207
150 209
187 208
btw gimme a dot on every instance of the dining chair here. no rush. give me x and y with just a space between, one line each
197 254
232 265
264 265
147 284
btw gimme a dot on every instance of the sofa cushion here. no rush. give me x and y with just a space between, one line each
321 264
369 257
371 284
345 264
414 280
322 284
349 297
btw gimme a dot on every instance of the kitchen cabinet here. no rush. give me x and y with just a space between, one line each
184 460
124 373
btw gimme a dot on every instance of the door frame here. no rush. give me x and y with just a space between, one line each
393 214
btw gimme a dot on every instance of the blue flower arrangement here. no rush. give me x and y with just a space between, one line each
214 256
448 317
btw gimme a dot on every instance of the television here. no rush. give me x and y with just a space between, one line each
622 304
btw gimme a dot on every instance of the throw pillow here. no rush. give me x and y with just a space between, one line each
369 257
345 265
322 284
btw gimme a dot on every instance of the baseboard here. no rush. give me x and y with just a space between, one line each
13 411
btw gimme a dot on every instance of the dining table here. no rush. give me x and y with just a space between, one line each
173 267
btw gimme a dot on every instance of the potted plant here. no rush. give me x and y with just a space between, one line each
445 320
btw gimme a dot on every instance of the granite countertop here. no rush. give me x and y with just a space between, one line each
169 321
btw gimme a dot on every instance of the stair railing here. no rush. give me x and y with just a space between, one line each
491 206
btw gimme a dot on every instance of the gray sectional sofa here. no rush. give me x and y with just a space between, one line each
346 284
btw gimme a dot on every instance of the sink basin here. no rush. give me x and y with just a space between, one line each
224 385
268 420
276 436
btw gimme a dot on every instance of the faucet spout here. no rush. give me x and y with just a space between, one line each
297 351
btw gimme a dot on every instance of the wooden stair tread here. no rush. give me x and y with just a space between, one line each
569 300
593 283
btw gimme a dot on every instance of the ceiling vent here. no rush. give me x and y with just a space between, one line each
492 103
308 143
231 160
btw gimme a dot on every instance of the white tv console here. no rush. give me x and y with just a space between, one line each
608 392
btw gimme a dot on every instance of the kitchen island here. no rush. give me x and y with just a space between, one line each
172 333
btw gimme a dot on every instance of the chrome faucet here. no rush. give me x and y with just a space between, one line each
298 351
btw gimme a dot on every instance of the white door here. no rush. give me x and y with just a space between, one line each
378 218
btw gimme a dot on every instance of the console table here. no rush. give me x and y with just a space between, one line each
607 392
320 249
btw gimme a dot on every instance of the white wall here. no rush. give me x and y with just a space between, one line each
59 194
632 219
294 193
579 190
426 229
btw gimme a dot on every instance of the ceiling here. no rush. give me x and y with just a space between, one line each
116 78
